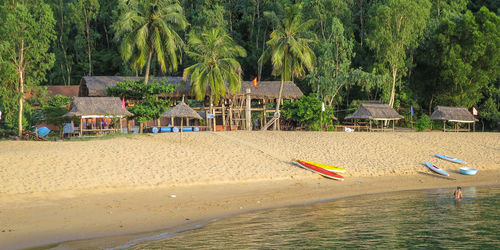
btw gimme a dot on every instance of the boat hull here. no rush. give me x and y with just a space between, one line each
468 171
321 171
436 169
325 166
455 160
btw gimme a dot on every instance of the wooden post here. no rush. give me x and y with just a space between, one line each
263 119
248 111
444 125
224 115
121 124
231 115
81 127
393 121
214 120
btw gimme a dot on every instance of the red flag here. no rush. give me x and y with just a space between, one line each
255 83
123 102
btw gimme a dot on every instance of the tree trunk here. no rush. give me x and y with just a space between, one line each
141 126
393 89
20 70
278 102
87 34
148 64
66 66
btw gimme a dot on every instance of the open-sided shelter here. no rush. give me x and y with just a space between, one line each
375 112
456 115
97 108
230 113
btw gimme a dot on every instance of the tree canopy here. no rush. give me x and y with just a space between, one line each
420 53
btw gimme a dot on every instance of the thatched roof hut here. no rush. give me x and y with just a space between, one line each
271 89
181 110
87 107
452 114
94 86
375 111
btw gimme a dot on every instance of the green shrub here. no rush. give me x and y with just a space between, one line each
307 111
423 123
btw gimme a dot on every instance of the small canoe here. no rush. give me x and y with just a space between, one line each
321 171
325 166
434 168
468 171
455 160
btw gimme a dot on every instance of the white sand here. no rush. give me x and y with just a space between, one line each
55 182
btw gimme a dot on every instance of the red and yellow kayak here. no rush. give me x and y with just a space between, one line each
327 167
321 171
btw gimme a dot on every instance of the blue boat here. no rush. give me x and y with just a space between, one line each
455 160
436 169
468 171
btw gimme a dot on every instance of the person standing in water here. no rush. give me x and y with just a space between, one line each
458 193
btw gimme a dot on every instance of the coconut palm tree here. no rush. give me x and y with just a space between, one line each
214 50
147 28
288 50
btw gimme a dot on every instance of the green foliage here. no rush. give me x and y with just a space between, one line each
27 32
395 28
147 28
490 111
288 48
469 57
148 104
215 52
423 123
54 110
307 111
440 53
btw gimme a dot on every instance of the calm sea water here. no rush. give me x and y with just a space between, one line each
425 219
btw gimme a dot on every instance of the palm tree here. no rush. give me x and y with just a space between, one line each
289 51
147 28
214 50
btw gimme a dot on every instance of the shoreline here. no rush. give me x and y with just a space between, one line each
58 191
111 219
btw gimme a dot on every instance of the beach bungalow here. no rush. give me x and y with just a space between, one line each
229 114
98 114
455 115
375 112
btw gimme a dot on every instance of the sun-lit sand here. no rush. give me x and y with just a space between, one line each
57 191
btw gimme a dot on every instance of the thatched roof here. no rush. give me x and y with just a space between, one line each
271 90
181 110
456 114
94 86
375 111
97 106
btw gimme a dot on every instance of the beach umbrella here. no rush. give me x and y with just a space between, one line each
181 110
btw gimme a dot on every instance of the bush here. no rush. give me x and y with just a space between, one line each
423 123
307 111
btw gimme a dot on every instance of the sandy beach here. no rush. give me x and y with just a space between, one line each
72 190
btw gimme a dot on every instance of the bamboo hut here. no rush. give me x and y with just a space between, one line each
375 112
183 111
456 115
93 109
231 113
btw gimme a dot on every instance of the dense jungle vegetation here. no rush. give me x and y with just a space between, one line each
419 53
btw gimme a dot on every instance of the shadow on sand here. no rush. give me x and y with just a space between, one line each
437 176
